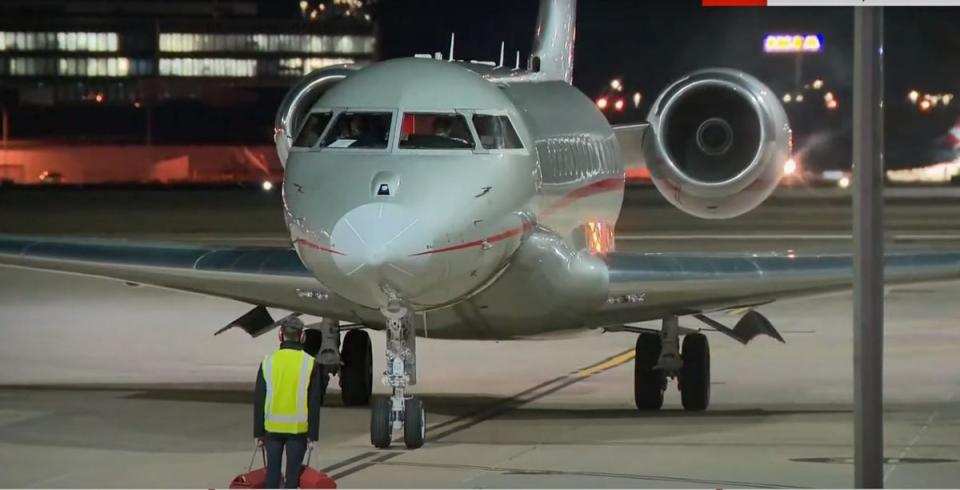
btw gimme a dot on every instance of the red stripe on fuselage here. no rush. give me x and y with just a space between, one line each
490 239
605 185
597 187
314 246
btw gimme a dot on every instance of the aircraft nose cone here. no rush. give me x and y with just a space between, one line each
380 243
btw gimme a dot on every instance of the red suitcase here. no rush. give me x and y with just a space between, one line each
252 478
309 477
314 478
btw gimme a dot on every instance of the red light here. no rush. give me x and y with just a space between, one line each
137 104
99 98
618 105
602 103
832 104
925 105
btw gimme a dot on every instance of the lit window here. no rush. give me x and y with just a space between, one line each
369 130
113 41
71 41
496 132
435 131
312 129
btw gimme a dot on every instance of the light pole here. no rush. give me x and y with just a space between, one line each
868 247
5 122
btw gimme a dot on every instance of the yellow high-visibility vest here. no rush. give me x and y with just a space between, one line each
287 374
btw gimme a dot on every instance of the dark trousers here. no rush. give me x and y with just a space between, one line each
296 448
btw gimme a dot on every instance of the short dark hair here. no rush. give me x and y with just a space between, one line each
291 333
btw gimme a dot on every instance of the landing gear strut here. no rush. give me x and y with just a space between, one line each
398 411
659 357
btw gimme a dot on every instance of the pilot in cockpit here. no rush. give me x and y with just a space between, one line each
442 126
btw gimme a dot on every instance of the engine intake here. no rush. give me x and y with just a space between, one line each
717 143
299 100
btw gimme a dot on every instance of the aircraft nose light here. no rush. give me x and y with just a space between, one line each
385 184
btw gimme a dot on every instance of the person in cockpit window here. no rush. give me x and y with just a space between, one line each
442 126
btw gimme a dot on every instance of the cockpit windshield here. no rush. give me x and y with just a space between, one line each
370 130
496 132
312 129
435 131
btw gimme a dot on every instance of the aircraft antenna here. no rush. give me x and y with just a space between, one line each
453 37
502 45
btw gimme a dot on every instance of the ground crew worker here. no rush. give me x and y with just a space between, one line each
286 409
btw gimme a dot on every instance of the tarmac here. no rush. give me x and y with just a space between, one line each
106 385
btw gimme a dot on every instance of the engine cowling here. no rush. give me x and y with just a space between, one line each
717 143
298 102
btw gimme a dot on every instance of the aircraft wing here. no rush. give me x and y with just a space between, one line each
651 286
263 276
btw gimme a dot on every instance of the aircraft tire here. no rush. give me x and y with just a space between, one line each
356 374
414 424
648 383
381 429
695 373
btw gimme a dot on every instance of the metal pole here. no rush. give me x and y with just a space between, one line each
868 246
5 122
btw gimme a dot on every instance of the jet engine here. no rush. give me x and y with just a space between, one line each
717 143
299 100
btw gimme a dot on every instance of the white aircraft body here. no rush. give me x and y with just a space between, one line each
467 201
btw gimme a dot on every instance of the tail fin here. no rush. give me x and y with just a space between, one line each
552 57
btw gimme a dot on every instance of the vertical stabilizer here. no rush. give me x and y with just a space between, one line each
552 57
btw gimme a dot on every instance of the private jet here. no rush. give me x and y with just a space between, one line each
431 197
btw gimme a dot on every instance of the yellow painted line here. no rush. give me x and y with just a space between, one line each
608 364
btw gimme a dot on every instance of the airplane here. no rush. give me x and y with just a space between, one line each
446 199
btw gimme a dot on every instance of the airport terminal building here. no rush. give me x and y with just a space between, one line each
162 82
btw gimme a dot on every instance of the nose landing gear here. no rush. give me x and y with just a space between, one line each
399 411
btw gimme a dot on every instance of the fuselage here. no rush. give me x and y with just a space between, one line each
430 184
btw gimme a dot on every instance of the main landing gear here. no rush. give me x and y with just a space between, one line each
399 411
660 357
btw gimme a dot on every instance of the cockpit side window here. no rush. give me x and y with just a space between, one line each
496 132
369 130
435 131
312 129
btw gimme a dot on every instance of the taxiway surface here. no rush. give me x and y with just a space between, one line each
111 386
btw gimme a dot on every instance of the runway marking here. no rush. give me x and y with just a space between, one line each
608 364
600 474
916 437
458 424
529 395
348 461
383 458
911 443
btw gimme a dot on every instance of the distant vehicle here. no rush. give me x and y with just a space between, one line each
48 177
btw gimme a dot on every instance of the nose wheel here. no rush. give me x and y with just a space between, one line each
399 411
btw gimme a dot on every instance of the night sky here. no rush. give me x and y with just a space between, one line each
650 43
